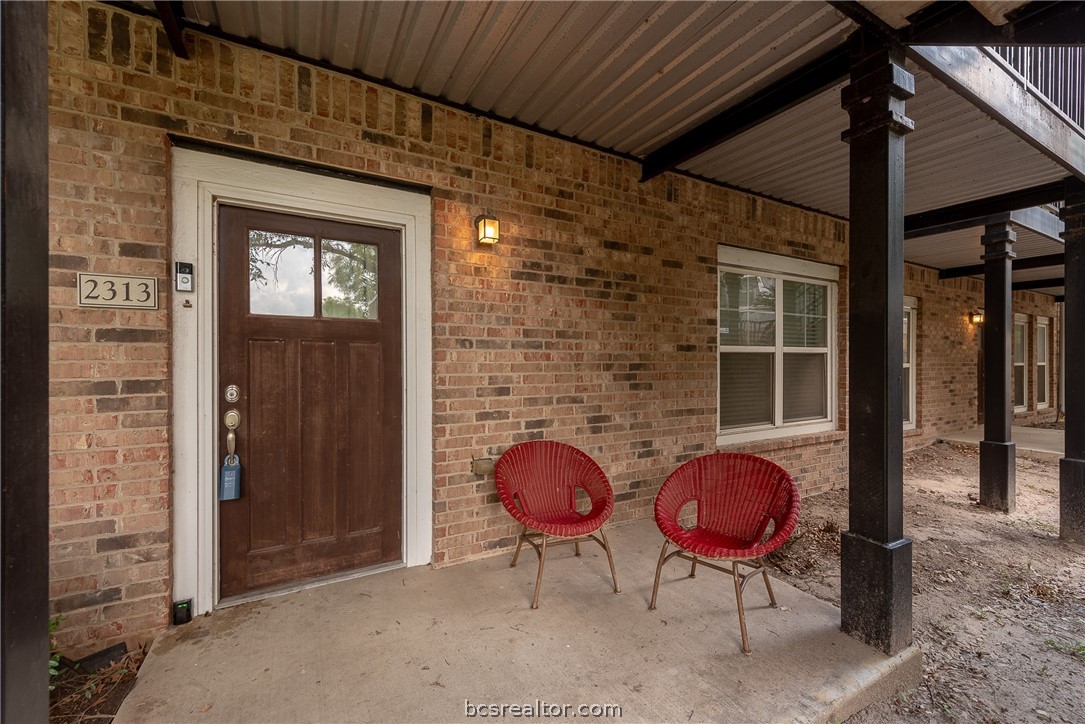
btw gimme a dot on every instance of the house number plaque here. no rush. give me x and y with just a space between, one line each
117 290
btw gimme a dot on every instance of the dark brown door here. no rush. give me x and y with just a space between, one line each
309 333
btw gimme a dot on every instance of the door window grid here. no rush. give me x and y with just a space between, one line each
283 281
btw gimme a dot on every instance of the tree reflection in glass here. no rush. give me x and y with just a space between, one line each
348 281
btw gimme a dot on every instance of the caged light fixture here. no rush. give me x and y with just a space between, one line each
976 317
488 229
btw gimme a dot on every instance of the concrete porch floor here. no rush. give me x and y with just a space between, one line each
416 644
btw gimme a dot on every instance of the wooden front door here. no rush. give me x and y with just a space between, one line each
310 335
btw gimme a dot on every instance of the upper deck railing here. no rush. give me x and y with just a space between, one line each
1058 73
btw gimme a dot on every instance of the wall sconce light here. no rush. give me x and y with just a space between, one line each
976 317
488 229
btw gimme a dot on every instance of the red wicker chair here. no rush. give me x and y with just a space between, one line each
737 497
537 483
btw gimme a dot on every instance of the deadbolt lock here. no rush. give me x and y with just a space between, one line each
233 393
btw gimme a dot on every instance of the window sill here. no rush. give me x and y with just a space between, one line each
725 440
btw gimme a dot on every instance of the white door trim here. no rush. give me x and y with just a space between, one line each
200 182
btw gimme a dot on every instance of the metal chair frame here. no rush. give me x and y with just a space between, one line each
740 579
532 539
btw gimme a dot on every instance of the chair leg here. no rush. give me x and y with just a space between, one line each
576 546
519 543
693 569
659 568
538 578
741 610
610 559
768 586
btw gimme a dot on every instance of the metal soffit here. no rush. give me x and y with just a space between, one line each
622 75
631 76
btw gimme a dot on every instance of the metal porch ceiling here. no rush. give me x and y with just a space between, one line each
627 76
956 153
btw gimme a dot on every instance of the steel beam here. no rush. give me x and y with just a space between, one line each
980 212
959 23
1072 466
979 75
24 363
786 93
998 472
876 558
172 26
1030 262
1037 284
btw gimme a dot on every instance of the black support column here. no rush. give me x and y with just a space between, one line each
24 364
1072 467
998 464
875 557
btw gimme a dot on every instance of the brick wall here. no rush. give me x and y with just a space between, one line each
947 388
593 321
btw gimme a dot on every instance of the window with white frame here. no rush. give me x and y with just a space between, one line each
908 379
1020 362
777 359
1043 379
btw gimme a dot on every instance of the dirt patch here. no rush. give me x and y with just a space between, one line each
1059 424
999 606
79 698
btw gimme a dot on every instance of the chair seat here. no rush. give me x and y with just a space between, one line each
566 524
709 544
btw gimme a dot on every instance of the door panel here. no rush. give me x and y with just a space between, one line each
317 357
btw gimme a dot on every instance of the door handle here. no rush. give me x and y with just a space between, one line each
232 419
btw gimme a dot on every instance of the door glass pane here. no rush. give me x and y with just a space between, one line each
745 389
281 279
805 317
747 310
348 280
805 389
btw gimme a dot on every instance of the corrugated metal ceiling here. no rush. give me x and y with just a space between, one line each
622 75
956 153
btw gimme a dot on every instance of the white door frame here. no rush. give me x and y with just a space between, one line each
201 181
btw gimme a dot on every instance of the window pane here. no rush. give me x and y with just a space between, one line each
747 310
805 387
1041 384
1041 345
805 315
745 389
1019 343
281 279
907 337
348 279
1019 385
906 386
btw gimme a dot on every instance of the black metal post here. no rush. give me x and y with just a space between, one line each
998 463
1072 466
24 361
875 557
